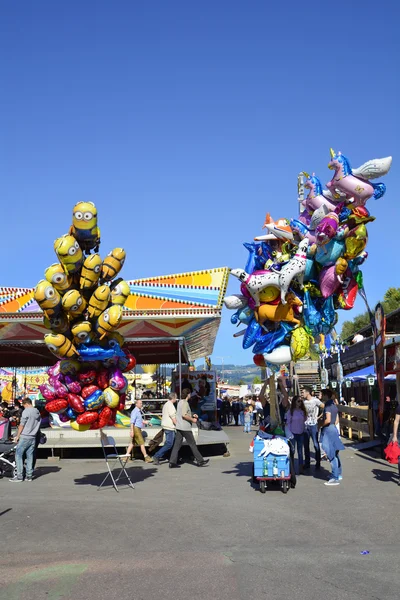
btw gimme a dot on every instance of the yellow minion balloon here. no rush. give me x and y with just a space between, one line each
58 324
99 301
112 264
84 225
69 253
90 272
59 345
109 320
55 274
73 303
82 332
115 336
120 293
48 298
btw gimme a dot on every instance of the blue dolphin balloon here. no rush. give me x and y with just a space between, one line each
272 339
252 334
312 318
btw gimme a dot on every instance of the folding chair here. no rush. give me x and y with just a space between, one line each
109 442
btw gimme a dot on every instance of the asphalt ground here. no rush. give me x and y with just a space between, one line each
201 532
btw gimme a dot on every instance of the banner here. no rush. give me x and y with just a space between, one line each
379 326
202 386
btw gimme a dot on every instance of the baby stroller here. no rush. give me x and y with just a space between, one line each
7 450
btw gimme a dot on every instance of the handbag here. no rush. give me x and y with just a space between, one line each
42 438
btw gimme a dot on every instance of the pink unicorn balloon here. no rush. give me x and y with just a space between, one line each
356 188
315 198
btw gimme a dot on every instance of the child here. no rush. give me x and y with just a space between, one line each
247 420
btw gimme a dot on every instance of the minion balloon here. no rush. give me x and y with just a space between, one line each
55 274
112 264
90 272
84 225
82 332
48 298
109 320
59 345
58 324
74 304
98 301
69 253
120 292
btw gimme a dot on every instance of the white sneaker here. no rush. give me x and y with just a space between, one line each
332 482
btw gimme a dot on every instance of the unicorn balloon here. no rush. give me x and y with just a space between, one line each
356 188
315 198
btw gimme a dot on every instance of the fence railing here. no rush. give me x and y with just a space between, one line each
356 420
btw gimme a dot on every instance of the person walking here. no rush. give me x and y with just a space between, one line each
226 408
312 405
295 418
259 410
236 410
330 440
137 423
26 439
247 420
168 423
184 422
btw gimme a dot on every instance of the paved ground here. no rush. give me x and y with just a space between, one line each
200 533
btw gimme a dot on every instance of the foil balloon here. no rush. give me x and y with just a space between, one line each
128 363
79 426
112 264
328 316
70 413
58 324
102 379
115 338
84 225
252 334
69 367
120 292
95 352
259 361
56 275
74 304
300 343
59 345
94 401
328 281
110 398
272 339
117 380
76 403
311 316
61 390
280 356
87 377
73 386
328 254
47 392
327 229
69 254
235 302
280 312
48 298
82 332
243 315
356 241
269 294
56 406
349 290
55 370
88 390
105 417
90 273
99 301
108 320
87 418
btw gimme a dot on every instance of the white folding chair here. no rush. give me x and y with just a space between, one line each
114 461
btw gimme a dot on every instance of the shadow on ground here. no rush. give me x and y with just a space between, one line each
136 475
42 471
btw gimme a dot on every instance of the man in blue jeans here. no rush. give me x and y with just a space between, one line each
168 423
26 440
312 405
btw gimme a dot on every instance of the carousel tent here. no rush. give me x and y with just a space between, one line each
167 319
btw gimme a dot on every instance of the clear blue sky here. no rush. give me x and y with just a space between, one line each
185 122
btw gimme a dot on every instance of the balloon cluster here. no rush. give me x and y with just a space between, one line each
303 270
83 304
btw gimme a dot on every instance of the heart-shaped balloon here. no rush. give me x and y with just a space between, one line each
47 391
56 406
76 403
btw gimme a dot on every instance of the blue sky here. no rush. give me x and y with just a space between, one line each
185 122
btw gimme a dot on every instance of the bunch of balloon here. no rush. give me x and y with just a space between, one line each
304 269
82 302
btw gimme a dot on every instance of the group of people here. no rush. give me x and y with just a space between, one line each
240 412
176 424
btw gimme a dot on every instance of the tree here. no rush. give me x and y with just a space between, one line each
241 382
391 300
257 379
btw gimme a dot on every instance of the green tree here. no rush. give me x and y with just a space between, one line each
257 379
350 328
391 300
241 382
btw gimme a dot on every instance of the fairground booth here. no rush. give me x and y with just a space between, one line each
170 320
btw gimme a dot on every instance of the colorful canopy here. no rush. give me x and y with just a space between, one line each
162 314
